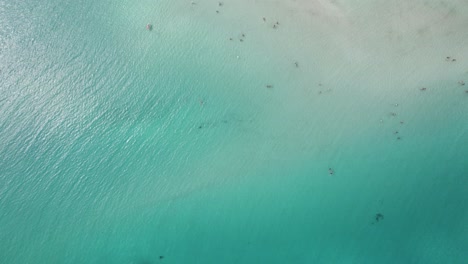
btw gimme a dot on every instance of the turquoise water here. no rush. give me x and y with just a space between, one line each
122 145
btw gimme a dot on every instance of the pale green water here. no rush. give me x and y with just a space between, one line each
121 145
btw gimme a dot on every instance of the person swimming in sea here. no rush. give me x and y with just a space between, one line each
331 171
149 27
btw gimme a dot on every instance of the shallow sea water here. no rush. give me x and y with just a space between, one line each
122 145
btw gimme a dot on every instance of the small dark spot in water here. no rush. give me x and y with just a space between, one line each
241 40
393 114
217 11
461 82
450 59
396 132
398 138
199 127
269 86
220 3
379 217
423 89
161 257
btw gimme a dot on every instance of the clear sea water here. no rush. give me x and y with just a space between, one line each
123 145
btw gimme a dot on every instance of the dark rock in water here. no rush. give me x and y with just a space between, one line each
144 262
379 217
